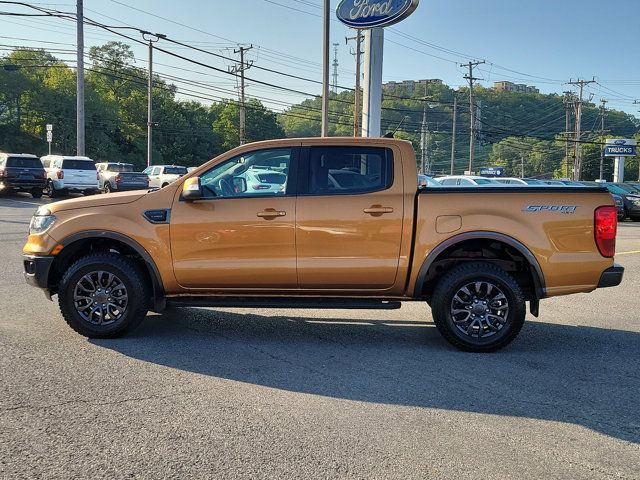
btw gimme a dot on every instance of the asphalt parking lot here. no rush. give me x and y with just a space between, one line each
201 393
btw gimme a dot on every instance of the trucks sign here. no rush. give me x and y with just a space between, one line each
620 147
491 171
374 13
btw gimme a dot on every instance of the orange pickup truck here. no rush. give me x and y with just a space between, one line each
323 223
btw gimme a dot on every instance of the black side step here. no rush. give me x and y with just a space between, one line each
284 302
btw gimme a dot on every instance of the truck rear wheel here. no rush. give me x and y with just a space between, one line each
478 307
103 295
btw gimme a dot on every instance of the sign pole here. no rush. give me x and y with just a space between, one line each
618 169
372 89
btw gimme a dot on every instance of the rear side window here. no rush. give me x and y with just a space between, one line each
78 165
349 170
22 162
449 181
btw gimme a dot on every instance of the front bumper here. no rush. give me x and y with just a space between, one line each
36 270
611 277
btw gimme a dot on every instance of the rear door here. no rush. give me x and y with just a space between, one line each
349 217
79 172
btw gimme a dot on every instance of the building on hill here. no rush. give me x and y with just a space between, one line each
410 85
505 86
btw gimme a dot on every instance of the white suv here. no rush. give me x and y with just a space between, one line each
65 174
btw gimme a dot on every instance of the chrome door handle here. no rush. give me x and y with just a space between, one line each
270 213
376 210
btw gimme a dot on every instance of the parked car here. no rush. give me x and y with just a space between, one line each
474 255
630 199
116 176
511 181
265 180
162 175
619 206
69 174
466 181
21 172
533 181
425 181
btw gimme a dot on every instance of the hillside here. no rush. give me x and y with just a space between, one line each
512 127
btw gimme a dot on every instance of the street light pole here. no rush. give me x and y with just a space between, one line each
80 130
151 38
325 69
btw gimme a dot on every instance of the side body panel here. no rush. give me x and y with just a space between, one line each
562 243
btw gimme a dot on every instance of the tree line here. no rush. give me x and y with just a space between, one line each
519 131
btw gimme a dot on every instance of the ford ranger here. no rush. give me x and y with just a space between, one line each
349 229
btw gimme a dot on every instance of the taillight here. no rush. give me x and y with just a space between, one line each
605 229
118 179
97 176
60 174
1 172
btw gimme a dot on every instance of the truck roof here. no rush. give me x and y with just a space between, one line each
66 157
21 155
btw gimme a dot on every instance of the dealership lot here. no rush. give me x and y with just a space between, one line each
317 394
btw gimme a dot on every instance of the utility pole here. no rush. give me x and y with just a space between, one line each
453 133
324 130
80 131
334 84
151 38
357 104
578 161
603 113
568 106
637 102
423 133
239 69
472 140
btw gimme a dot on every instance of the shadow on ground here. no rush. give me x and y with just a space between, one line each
581 375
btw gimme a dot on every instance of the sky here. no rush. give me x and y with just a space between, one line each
543 43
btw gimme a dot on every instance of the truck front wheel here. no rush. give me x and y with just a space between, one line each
103 295
478 307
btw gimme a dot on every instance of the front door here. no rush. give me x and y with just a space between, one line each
349 218
241 235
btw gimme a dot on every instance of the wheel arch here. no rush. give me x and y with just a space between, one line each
447 245
76 242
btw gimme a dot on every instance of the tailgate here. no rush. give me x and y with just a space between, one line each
134 178
25 175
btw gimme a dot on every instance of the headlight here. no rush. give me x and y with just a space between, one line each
42 220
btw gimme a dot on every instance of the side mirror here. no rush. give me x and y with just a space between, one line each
239 185
191 189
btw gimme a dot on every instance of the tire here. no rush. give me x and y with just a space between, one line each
36 193
467 323
107 188
50 190
121 315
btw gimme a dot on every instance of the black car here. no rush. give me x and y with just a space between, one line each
619 206
630 199
22 172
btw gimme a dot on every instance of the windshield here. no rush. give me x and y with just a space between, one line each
23 162
120 167
616 189
175 170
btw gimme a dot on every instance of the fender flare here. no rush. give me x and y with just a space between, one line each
538 276
154 273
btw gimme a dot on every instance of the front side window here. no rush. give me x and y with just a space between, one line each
349 170
156 171
263 172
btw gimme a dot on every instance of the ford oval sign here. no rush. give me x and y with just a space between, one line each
374 13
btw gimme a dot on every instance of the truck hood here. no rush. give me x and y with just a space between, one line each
96 201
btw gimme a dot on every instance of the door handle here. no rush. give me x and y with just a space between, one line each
378 210
270 213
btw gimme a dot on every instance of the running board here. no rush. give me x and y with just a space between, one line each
284 302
